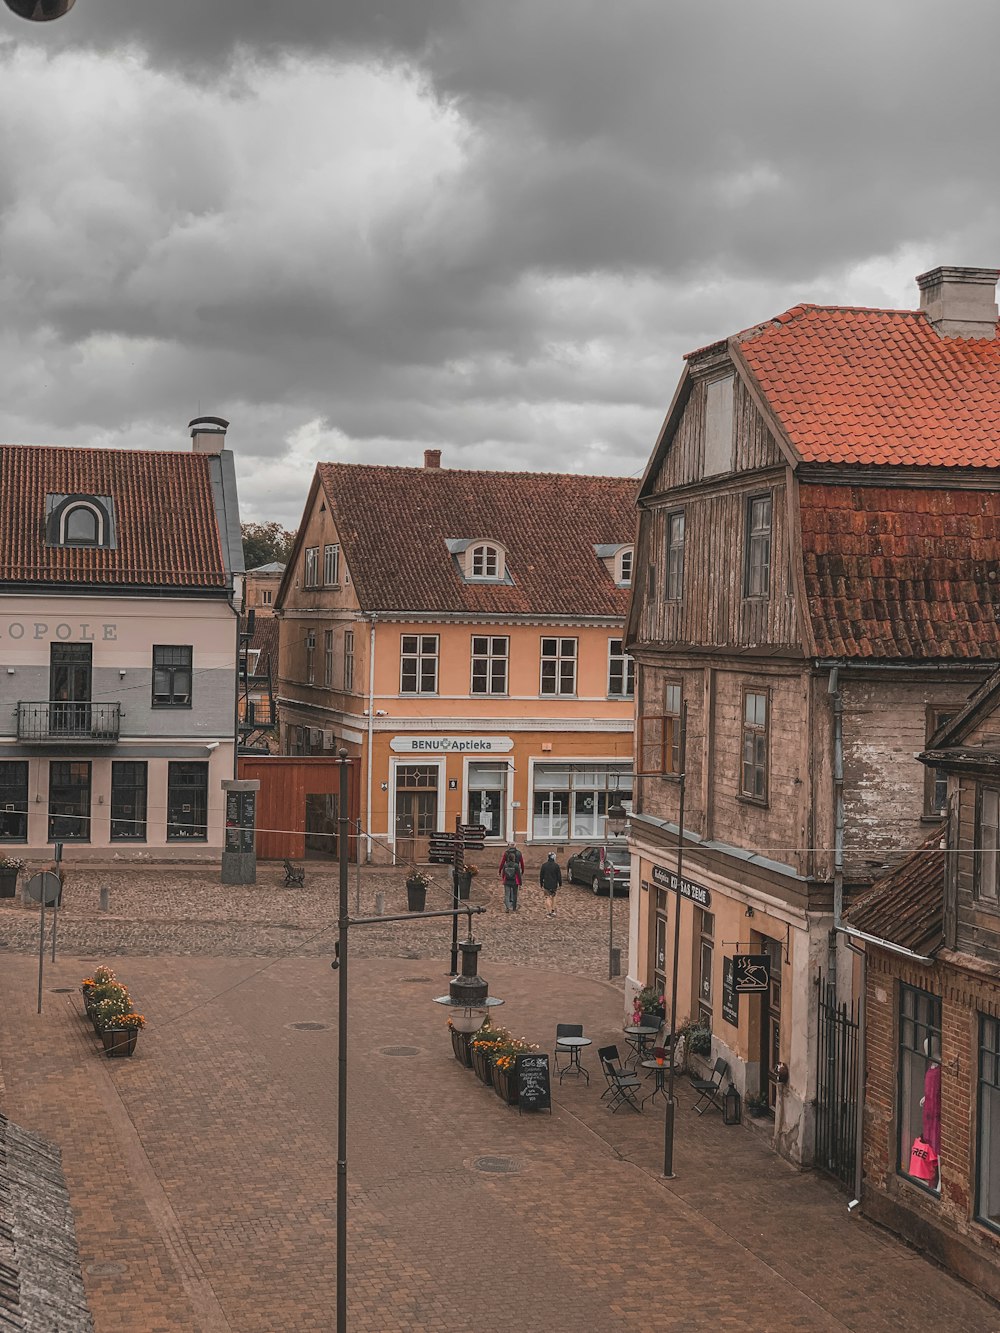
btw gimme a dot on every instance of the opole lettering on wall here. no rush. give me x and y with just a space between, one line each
64 630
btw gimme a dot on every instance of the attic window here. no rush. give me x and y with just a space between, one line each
486 562
80 520
624 571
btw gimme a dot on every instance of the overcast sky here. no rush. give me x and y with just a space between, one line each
357 228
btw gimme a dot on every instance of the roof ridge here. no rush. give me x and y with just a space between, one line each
479 472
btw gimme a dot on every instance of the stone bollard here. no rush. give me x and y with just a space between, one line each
105 897
380 904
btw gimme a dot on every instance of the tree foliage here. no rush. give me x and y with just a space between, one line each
264 543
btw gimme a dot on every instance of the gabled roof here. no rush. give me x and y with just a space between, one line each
895 572
906 906
982 702
877 386
167 527
394 523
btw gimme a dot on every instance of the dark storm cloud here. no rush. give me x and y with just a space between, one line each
358 228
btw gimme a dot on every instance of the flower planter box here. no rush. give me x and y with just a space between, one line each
464 887
8 883
460 1045
505 1084
483 1066
119 1041
416 896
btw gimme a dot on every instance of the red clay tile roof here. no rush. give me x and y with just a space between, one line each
878 386
167 530
906 906
393 523
892 572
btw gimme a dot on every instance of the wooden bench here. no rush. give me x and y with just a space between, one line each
294 877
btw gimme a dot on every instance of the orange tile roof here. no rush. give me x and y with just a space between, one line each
878 387
393 523
165 518
901 572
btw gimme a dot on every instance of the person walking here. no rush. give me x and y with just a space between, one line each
550 878
511 873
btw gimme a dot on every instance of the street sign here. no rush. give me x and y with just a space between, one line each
751 973
473 835
47 885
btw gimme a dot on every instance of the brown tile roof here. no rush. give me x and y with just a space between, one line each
167 530
878 387
393 523
892 572
906 906
265 639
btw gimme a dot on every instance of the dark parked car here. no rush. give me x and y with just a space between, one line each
597 866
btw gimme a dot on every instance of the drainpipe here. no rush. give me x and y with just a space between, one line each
859 1128
371 731
838 817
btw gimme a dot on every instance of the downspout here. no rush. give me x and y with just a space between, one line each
838 814
859 1127
371 732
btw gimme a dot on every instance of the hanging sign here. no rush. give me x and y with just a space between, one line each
730 996
751 973
667 879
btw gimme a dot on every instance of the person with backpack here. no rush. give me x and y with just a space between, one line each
511 872
550 878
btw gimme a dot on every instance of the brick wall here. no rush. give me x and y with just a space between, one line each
943 1226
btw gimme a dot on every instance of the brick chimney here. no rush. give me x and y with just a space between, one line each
432 458
208 434
960 302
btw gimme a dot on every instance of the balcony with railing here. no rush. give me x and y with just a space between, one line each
57 722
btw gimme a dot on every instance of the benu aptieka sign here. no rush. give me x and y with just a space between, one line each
451 744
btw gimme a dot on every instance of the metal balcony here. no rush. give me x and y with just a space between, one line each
55 722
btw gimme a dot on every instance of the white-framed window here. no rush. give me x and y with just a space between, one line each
987 877
328 658
418 664
485 560
82 524
266 596
558 662
331 564
486 789
310 657
490 654
572 800
621 671
674 585
625 559
311 571
348 659
757 572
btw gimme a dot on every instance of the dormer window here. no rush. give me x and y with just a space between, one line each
625 557
485 562
80 520
618 558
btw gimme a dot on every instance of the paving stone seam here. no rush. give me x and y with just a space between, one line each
204 1302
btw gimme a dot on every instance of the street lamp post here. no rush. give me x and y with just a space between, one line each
468 996
668 1122
617 824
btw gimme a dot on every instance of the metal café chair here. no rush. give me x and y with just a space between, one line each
622 1086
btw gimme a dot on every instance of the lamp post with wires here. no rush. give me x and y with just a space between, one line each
617 825
668 1122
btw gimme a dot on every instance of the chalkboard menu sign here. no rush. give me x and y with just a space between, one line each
534 1092
730 997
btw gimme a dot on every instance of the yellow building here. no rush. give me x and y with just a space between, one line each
460 633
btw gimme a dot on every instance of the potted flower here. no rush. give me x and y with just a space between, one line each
757 1104
482 1045
108 1002
416 889
503 1057
121 1033
648 1008
465 880
10 867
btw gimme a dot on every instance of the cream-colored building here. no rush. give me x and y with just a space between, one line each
120 574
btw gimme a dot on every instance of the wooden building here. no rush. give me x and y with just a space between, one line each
460 633
930 931
816 585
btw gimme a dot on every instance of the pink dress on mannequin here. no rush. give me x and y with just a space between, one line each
932 1107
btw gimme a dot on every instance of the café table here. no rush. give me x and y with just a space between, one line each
574 1045
639 1037
659 1068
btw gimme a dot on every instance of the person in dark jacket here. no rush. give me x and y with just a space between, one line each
511 873
550 878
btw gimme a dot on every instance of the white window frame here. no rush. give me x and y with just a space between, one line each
489 657
331 564
558 658
626 564
71 509
328 659
310 574
421 655
673 584
624 664
348 660
491 562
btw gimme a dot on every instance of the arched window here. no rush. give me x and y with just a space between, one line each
625 565
82 525
486 562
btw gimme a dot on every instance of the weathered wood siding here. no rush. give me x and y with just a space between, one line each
658 795
977 925
885 728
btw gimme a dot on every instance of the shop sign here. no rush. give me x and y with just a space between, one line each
451 744
84 631
751 973
730 995
667 879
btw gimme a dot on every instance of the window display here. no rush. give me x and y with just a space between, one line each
920 1086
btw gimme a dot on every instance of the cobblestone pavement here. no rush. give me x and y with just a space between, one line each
187 912
203 1170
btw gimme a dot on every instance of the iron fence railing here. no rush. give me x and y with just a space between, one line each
60 722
